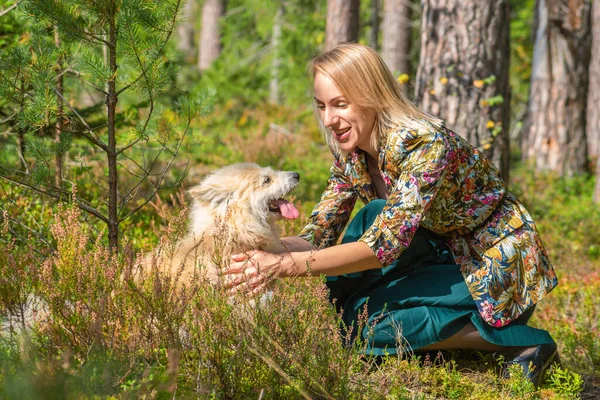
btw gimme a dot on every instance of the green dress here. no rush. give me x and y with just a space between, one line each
419 299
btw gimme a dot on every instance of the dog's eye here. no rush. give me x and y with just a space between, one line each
267 179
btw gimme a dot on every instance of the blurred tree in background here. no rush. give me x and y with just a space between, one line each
555 136
397 40
464 69
593 100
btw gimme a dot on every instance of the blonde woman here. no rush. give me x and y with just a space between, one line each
441 250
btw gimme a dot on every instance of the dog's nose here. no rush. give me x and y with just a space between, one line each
296 176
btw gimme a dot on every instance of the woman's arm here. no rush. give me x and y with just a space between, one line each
296 243
253 270
336 260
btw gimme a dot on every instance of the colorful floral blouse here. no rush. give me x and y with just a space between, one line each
437 180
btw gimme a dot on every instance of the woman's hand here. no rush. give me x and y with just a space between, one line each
252 272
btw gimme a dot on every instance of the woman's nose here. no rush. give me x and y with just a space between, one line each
329 117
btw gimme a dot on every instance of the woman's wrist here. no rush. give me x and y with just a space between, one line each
289 266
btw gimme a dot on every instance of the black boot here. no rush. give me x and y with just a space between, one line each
535 363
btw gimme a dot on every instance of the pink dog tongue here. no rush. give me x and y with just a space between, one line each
287 209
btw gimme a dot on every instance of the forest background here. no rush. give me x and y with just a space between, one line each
110 109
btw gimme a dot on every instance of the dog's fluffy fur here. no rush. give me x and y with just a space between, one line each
234 209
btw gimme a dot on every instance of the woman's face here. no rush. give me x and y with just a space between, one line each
350 125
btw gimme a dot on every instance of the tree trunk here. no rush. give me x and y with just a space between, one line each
397 31
186 31
274 95
593 106
21 148
463 72
374 35
597 191
342 22
593 110
58 173
554 135
111 153
210 36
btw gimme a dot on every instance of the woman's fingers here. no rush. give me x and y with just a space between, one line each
240 257
232 279
260 288
252 284
244 275
241 262
245 286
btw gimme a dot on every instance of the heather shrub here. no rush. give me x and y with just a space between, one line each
19 278
106 328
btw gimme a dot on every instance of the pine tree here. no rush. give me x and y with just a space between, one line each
463 72
116 48
554 135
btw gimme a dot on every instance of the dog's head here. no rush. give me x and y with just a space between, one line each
249 188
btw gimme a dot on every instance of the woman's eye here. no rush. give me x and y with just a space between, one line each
266 180
342 105
321 107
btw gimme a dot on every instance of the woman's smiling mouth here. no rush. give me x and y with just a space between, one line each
342 135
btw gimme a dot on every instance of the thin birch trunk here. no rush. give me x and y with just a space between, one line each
210 33
397 32
274 94
342 22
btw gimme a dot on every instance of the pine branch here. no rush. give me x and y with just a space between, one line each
89 135
137 56
14 203
55 193
146 173
78 75
8 118
9 9
169 32
158 186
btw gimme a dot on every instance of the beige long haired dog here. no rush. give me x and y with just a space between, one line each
234 209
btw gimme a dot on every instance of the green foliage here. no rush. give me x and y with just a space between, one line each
146 340
565 383
118 51
521 49
517 385
244 67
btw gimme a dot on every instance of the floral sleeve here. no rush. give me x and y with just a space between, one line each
331 214
423 162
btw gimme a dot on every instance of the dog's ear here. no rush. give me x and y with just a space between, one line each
210 191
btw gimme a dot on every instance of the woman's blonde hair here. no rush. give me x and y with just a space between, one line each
364 80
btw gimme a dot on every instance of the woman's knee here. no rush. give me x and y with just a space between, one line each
370 211
363 220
